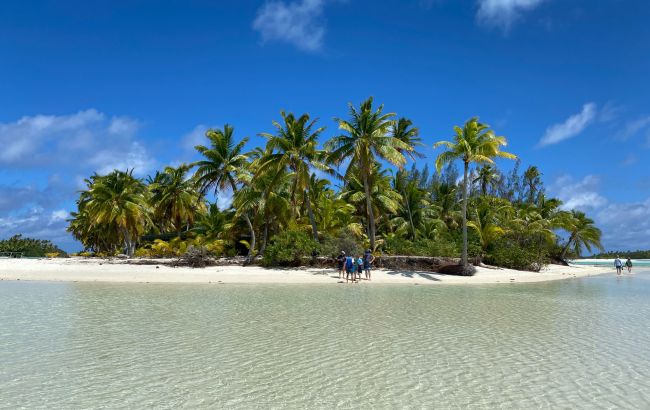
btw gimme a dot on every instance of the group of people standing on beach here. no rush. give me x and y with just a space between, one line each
619 265
353 267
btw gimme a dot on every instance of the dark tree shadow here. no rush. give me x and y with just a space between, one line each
414 274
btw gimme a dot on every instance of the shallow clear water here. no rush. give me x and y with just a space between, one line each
637 263
571 344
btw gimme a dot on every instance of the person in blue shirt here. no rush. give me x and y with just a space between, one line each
349 269
359 267
619 265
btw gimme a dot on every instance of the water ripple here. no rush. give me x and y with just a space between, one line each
576 344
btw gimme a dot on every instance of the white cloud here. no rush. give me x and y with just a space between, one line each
624 225
194 138
59 215
633 127
503 13
298 23
573 126
581 194
131 156
87 140
47 157
40 224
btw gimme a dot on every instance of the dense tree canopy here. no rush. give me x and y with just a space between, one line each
350 191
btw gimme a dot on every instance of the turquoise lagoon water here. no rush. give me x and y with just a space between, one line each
581 343
641 263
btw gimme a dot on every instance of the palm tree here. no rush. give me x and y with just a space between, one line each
119 201
487 176
404 131
175 197
266 195
487 215
414 203
367 138
294 147
223 168
474 143
384 200
583 234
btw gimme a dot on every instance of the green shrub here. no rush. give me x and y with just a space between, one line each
29 247
344 241
288 249
421 247
509 253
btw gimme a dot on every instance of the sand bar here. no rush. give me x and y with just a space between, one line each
104 270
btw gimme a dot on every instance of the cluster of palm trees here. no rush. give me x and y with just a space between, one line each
289 185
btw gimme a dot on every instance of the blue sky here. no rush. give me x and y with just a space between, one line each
88 86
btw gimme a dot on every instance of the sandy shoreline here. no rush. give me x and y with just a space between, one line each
97 270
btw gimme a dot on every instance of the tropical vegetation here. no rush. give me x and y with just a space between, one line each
366 186
29 247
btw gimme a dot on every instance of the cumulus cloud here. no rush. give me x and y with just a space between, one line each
299 23
582 194
48 156
624 225
571 127
41 224
503 13
87 139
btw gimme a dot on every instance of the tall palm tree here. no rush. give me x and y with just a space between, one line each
583 234
473 143
223 168
367 138
175 197
294 147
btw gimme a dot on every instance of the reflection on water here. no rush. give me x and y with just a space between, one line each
578 343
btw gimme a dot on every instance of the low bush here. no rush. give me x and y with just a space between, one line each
195 257
422 247
288 248
344 241
509 253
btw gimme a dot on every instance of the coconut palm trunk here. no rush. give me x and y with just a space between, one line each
251 249
265 234
371 215
464 254
251 230
310 212
408 209
566 247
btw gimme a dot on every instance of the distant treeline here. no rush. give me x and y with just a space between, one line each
627 254
29 247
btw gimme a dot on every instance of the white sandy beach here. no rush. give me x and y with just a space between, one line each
104 270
